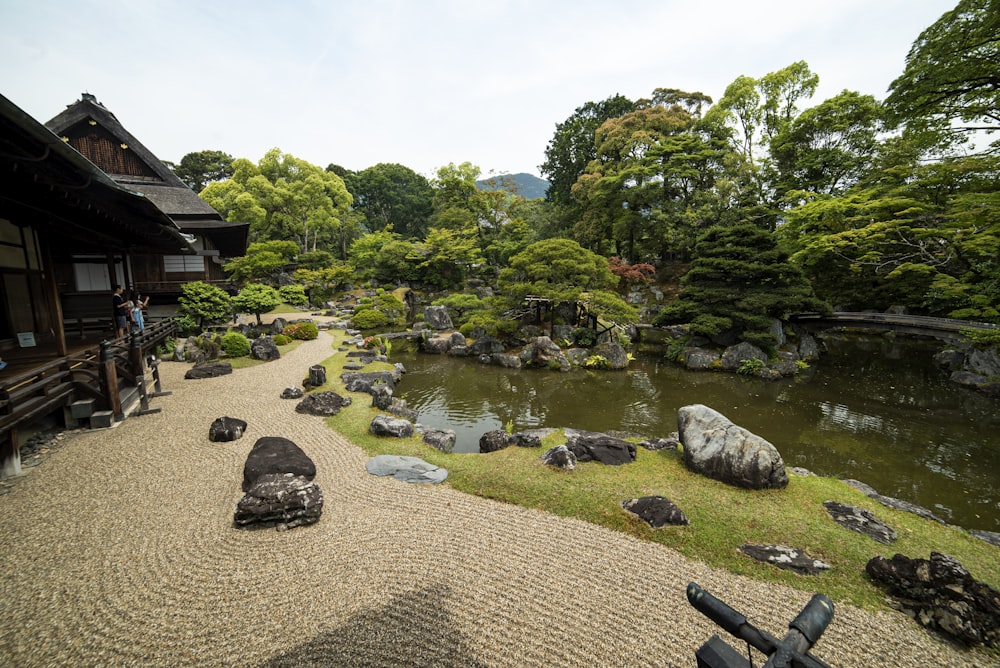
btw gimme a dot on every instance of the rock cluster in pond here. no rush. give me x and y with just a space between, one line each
724 352
860 520
976 367
279 487
787 558
721 450
226 429
656 511
538 352
591 446
407 469
941 594
209 370
323 404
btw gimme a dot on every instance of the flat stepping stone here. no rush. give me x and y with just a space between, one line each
787 558
407 469
860 520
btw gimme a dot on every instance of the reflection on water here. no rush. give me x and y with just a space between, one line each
871 409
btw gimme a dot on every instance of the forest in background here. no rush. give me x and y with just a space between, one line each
851 202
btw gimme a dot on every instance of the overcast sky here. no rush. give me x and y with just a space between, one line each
422 83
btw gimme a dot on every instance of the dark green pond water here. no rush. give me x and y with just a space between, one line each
871 409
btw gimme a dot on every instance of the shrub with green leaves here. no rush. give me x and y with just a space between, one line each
204 303
293 294
597 362
281 340
751 367
302 331
982 337
187 325
369 319
584 337
235 344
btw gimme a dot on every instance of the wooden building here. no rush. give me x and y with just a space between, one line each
55 208
96 133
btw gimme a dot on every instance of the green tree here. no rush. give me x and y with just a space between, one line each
951 80
391 196
294 294
263 261
204 302
256 298
737 283
199 169
318 259
445 257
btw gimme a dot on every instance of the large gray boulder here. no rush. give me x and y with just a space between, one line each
209 370
274 454
698 359
721 450
494 440
439 439
734 356
545 354
436 317
616 356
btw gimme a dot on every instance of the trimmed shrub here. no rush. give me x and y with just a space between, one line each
235 344
584 337
369 319
303 331
293 294
281 340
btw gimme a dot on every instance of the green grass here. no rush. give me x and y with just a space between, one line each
722 517
284 308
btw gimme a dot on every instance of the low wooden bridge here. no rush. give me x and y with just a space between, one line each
939 328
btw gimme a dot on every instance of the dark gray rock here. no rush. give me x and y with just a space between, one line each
561 457
890 502
506 361
381 396
721 450
226 429
486 345
787 558
292 393
951 359
991 537
399 408
498 439
940 594
317 376
264 349
407 469
968 379
353 366
437 345
457 339
526 439
808 348
734 356
278 325
591 446
459 351
364 381
984 361
281 500
860 520
436 317
384 425
208 370
544 354
323 404
698 359
669 443
439 439
274 454
656 511
615 355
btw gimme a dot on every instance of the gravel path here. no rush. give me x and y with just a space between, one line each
119 550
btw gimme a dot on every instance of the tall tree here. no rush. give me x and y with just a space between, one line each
391 195
199 169
951 79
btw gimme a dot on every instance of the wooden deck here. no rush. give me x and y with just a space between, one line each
105 375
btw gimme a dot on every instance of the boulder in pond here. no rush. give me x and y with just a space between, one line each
275 454
721 450
439 439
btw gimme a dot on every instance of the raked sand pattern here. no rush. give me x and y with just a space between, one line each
119 550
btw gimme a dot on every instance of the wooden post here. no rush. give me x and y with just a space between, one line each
52 290
136 360
109 381
10 454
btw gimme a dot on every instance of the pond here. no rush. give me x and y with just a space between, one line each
873 409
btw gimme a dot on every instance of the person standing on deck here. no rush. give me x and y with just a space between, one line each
119 309
137 305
